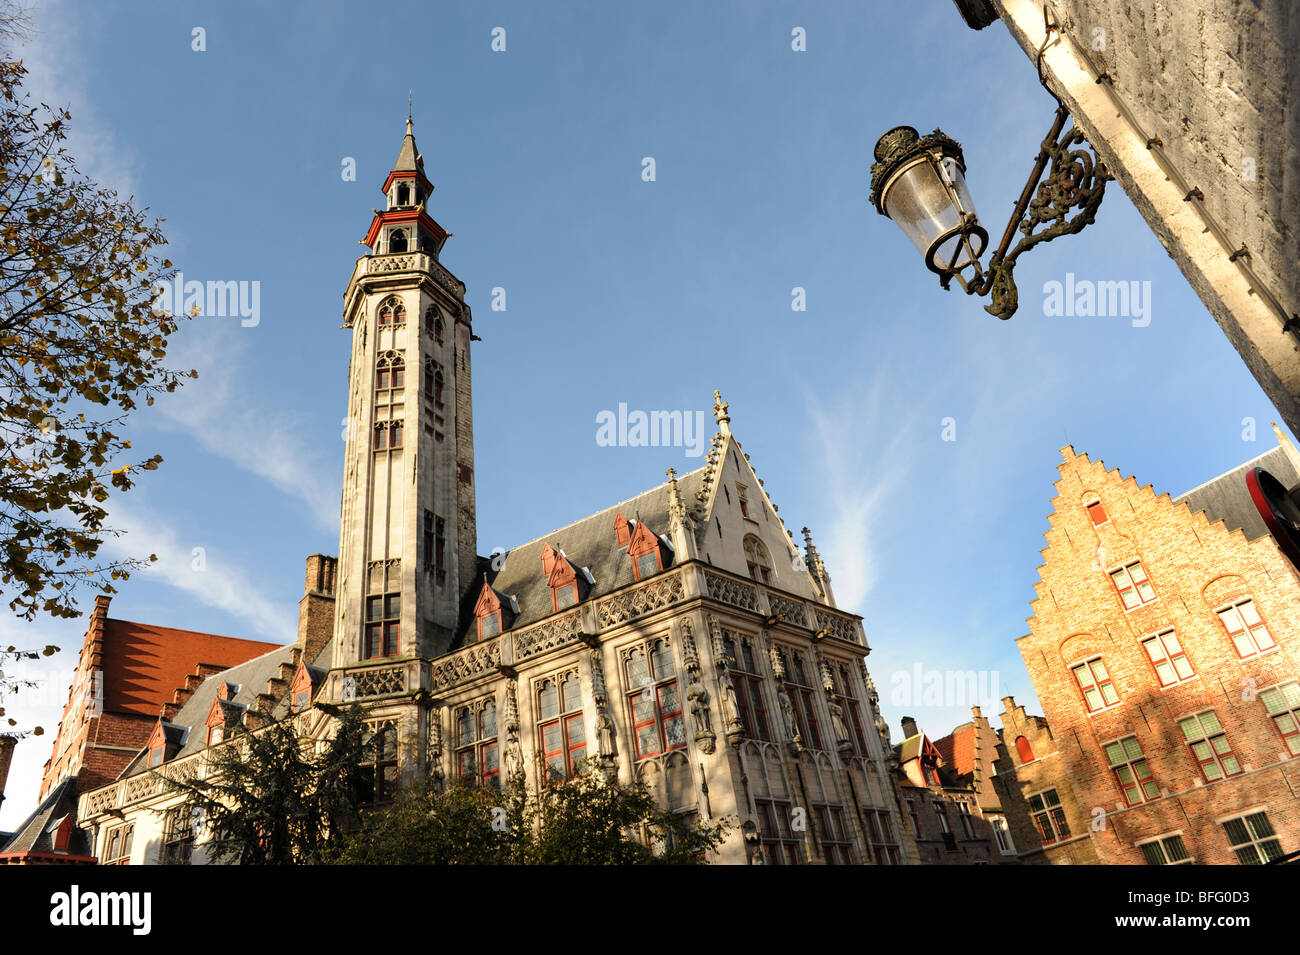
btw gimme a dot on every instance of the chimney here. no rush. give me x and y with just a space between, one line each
7 744
909 727
316 608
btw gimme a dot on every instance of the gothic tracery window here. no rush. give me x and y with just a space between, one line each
655 700
560 727
760 564
477 761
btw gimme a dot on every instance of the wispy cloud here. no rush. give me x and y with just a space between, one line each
222 585
216 412
861 440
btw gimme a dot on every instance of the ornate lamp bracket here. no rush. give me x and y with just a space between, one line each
1075 182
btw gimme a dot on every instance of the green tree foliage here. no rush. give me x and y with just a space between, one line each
588 820
80 346
269 800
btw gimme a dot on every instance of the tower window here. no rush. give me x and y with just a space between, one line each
392 312
440 548
403 194
390 374
428 538
397 240
383 627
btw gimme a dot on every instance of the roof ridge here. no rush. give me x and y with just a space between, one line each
542 537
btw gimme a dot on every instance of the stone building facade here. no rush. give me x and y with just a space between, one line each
682 638
1195 110
1162 647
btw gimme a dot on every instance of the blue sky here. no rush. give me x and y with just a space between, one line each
621 290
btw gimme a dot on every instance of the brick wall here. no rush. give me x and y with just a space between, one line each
1194 568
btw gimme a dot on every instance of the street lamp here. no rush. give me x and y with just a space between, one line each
920 183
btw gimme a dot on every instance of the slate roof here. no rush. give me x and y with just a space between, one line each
251 679
35 834
1226 497
589 543
408 155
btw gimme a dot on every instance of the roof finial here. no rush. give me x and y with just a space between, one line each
720 413
410 109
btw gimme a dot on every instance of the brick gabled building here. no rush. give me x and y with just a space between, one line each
126 674
1163 649
954 814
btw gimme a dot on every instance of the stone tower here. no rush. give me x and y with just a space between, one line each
407 542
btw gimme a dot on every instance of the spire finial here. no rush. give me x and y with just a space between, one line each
410 109
720 414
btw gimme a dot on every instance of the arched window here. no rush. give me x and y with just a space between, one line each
433 323
403 194
760 565
1024 749
561 728
437 386
392 311
390 374
397 240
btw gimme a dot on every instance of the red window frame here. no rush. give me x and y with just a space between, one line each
1098 513
1163 649
1049 816
1245 629
1025 750
1099 683
654 700
1210 747
571 592
477 753
1131 584
1132 771
1282 703
566 747
383 627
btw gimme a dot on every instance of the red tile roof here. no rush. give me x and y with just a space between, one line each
143 664
958 749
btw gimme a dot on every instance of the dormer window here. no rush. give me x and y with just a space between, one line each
493 612
565 596
645 549
216 734
300 689
563 578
